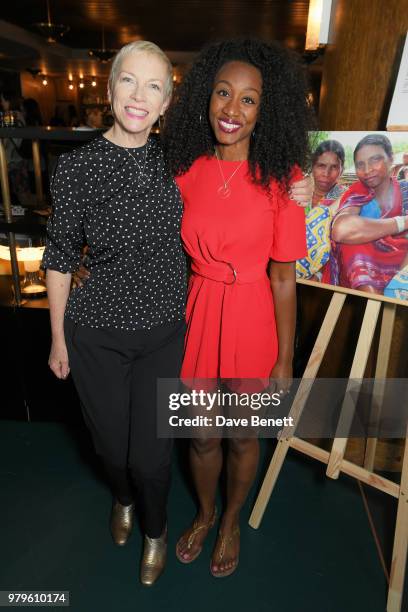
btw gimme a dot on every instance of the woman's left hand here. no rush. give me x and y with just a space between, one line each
281 379
302 191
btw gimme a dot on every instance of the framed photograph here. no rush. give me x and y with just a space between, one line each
357 224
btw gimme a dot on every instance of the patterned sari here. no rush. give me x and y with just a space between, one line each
373 263
318 221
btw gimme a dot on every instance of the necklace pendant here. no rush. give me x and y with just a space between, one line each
142 180
224 192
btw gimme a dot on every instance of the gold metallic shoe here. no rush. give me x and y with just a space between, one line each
154 558
121 522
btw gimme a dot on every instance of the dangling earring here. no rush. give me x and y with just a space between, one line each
253 133
161 122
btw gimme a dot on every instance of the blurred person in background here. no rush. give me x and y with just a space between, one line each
94 117
32 112
403 172
18 168
58 119
73 118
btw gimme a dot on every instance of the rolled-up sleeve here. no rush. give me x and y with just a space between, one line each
65 233
289 232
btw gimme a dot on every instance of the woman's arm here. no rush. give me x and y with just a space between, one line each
350 228
283 284
58 286
70 191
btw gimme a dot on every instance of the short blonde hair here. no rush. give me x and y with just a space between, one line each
140 46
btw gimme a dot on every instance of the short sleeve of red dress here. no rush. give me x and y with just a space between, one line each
289 234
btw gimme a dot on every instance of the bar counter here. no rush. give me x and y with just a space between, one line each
13 225
49 133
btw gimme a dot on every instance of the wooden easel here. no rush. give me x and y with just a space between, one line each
335 459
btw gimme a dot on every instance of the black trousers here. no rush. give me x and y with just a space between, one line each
115 373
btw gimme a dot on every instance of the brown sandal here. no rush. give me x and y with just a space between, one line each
224 543
197 527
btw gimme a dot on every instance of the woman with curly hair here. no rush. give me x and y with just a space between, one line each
236 139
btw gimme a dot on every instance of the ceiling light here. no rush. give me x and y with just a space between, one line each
34 71
103 55
93 83
51 31
44 81
81 84
318 24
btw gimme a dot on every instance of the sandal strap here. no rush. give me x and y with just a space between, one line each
197 527
225 541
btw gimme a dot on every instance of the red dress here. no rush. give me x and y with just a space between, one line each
231 331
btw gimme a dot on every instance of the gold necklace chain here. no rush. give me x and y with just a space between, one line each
224 191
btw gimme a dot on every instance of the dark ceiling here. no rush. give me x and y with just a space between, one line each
182 25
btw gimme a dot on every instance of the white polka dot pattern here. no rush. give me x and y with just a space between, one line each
132 229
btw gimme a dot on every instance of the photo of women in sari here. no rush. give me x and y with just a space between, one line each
369 230
327 167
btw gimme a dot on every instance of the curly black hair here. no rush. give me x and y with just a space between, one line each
281 134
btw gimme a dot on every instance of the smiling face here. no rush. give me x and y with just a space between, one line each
138 96
234 106
326 171
373 166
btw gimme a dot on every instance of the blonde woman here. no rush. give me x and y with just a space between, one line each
124 327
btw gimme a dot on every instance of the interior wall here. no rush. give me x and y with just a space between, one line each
48 97
361 66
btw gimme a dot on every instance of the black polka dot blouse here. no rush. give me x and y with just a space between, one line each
124 206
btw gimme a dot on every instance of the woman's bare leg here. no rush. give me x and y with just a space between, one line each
206 463
243 457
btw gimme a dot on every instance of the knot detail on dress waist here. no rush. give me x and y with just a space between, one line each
229 274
